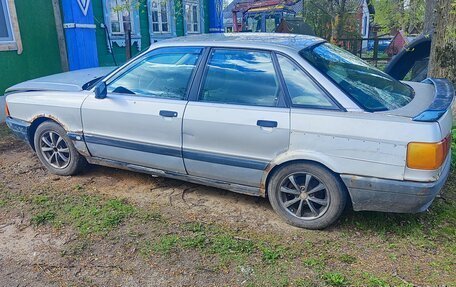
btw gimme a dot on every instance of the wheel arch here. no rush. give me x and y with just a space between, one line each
36 122
282 161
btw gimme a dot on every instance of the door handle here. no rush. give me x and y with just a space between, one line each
168 114
267 124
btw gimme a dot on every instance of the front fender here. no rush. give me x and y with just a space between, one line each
61 107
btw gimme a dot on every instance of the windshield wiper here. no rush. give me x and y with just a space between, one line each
90 84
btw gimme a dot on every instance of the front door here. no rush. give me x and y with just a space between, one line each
237 122
140 120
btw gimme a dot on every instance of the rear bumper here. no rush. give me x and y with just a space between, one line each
375 194
19 128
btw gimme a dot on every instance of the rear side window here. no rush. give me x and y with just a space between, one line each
369 87
302 90
163 73
243 77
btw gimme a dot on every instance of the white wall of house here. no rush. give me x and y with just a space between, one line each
365 22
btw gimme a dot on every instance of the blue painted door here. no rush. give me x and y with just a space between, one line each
78 22
216 16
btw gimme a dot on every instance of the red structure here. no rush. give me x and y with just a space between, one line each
245 6
398 43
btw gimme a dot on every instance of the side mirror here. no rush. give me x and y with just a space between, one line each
101 91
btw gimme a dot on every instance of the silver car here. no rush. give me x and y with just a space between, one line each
288 117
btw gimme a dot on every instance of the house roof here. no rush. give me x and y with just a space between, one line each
295 5
260 40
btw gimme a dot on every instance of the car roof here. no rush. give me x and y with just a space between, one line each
261 40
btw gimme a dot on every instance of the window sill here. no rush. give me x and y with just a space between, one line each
10 46
122 36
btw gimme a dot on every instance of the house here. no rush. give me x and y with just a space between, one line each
399 41
42 37
365 17
266 15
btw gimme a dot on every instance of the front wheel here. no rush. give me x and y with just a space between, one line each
56 151
307 195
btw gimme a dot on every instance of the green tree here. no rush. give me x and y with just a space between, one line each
332 19
442 61
406 15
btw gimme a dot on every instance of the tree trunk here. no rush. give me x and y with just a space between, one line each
335 22
429 17
338 22
442 62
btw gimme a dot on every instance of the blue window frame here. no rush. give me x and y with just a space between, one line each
10 37
114 23
6 31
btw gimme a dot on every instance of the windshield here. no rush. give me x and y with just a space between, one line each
369 87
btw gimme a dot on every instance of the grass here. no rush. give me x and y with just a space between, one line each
88 214
335 279
4 131
269 255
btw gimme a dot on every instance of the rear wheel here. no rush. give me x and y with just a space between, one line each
56 151
307 195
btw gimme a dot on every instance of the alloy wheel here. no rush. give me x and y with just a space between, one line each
304 196
55 149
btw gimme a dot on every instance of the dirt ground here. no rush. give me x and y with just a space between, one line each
57 253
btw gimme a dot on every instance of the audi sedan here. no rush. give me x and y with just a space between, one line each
288 117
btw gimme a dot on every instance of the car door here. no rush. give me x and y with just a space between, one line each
237 121
140 120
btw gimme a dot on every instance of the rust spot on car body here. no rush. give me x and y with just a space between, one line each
263 183
51 117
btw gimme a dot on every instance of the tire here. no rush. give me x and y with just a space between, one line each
324 191
61 144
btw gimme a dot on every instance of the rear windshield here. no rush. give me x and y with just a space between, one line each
369 87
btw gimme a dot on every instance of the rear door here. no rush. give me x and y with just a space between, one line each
237 121
140 120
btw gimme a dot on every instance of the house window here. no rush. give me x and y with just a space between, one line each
6 34
117 27
10 37
192 16
160 16
114 10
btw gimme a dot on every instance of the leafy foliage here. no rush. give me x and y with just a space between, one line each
333 19
398 15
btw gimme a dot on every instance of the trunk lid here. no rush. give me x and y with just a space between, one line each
68 81
432 103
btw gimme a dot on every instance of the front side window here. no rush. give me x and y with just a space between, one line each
240 77
192 17
369 87
160 16
163 73
302 90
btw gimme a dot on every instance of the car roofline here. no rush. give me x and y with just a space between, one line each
261 41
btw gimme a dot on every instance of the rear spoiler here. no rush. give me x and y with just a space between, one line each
444 94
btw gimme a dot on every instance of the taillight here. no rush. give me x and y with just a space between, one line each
7 113
428 156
